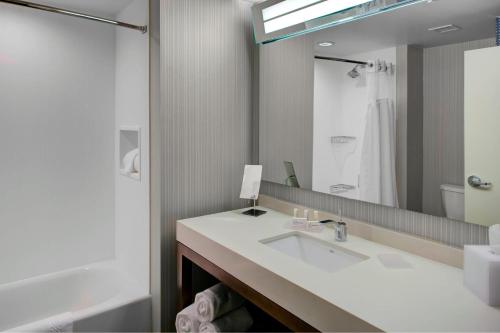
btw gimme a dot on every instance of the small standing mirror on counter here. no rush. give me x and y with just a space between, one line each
250 188
393 109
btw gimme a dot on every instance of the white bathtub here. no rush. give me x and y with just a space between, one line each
97 297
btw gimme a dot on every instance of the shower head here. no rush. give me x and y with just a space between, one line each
354 73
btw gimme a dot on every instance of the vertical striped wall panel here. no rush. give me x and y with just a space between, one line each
401 122
286 116
155 163
206 116
498 30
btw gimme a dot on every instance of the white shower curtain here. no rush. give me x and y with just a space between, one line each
378 156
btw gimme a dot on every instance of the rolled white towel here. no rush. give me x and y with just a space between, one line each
128 161
237 321
186 321
215 302
137 163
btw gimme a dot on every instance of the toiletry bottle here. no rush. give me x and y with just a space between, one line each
314 220
298 223
314 225
316 216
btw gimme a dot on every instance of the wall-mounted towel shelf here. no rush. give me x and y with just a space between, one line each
342 139
130 152
341 188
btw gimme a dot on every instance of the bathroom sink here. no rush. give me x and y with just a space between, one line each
315 252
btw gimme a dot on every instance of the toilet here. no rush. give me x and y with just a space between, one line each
453 201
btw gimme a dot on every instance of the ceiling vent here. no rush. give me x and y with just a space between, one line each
445 28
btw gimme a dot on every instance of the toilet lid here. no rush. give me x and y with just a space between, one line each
452 188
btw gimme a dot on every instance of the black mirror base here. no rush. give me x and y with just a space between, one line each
254 212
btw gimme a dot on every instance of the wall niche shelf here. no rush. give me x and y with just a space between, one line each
130 152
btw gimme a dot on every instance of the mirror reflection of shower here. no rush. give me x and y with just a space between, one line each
354 73
354 116
382 66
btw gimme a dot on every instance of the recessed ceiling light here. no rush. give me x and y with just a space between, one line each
326 44
445 28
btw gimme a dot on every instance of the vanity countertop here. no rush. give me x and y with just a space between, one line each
427 297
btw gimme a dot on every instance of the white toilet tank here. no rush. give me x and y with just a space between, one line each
453 201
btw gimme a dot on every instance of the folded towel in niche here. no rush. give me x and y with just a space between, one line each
236 321
137 163
129 161
215 302
186 321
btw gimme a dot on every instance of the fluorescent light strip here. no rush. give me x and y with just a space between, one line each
285 7
310 13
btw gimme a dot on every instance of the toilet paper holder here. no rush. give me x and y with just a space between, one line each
477 182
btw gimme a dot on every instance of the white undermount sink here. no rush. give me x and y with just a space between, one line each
321 254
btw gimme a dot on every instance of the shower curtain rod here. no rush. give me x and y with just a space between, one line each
341 60
143 28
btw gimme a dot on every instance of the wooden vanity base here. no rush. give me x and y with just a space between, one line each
185 260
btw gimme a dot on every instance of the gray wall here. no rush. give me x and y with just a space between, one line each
286 112
409 109
444 119
206 116
414 144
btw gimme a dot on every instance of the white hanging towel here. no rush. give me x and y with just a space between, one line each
237 321
378 158
215 302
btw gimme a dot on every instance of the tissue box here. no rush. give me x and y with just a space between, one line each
482 273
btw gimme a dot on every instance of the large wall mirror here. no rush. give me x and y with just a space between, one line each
396 109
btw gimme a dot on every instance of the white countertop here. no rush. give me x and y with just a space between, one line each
428 297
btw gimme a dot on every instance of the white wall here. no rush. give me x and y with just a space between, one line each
340 105
57 142
132 109
328 81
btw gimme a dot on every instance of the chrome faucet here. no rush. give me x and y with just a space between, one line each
341 232
340 228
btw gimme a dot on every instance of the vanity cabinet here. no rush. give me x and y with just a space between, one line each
268 315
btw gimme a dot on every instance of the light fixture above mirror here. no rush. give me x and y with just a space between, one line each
279 19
